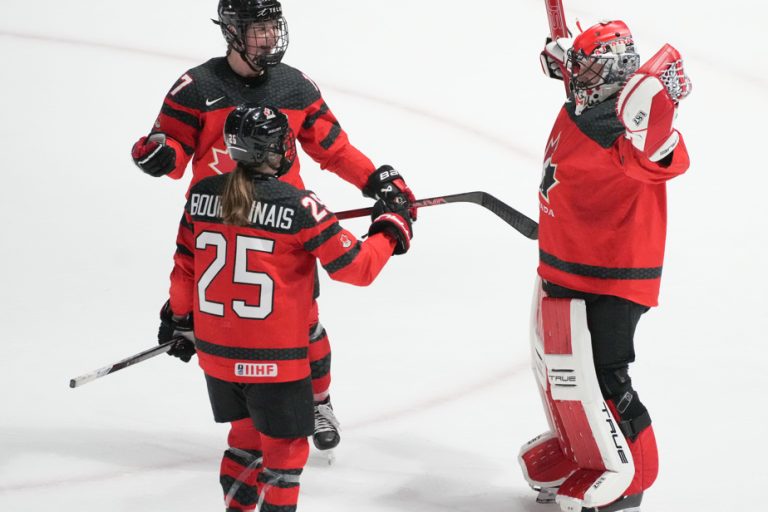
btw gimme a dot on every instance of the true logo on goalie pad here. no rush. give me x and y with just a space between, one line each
615 435
255 370
639 118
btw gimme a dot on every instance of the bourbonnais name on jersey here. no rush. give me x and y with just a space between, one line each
208 207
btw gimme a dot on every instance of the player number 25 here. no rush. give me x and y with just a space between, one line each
241 274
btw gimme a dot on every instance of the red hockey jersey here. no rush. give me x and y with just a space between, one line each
250 288
194 111
603 211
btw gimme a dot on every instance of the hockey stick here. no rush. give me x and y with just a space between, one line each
526 226
125 363
558 29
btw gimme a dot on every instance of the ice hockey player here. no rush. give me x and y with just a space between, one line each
601 247
242 292
190 123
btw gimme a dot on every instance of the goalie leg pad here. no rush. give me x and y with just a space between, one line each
543 462
589 433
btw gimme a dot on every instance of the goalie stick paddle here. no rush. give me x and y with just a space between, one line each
125 363
524 225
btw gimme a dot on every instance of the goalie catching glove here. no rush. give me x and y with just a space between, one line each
386 184
180 328
647 105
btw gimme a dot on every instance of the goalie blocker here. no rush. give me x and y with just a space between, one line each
590 457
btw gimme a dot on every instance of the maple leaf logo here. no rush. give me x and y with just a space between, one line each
548 177
216 161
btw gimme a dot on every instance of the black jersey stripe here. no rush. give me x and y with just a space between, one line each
342 261
251 354
600 272
181 116
323 237
183 250
328 141
311 119
185 223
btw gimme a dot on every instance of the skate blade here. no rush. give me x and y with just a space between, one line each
546 496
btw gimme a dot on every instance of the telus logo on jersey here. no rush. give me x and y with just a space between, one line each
255 370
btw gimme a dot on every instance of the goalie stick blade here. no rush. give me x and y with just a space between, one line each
519 221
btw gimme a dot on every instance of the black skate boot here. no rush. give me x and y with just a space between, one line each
625 504
326 434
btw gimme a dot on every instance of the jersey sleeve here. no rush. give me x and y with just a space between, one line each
183 273
180 121
323 139
638 167
341 254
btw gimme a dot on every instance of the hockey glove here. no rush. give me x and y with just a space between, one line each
647 105
153 156
172 327
387 184
395 223
553 57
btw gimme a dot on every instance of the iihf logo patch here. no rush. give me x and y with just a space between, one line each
345 241
255 370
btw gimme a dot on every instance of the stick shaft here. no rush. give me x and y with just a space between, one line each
519 221
124 363
557 29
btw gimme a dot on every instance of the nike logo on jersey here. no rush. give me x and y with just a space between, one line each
208 102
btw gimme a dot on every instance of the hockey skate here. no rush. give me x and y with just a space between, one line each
625 504
326 434
546 494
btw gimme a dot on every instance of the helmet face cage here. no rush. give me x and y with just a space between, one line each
602 67
258 24
260 135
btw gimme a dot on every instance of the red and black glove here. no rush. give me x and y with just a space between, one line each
178 328
395 223
153 156
387 184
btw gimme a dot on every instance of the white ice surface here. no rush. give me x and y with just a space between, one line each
431 378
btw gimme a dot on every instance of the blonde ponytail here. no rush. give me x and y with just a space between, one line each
237 197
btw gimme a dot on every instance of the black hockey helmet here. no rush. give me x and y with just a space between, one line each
259 21
258 135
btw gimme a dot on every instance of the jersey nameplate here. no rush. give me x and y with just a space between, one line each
208 207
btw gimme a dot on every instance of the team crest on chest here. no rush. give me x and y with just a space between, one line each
549 170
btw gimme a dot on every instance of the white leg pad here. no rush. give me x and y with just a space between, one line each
581 421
